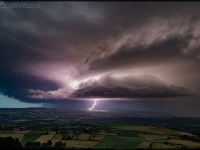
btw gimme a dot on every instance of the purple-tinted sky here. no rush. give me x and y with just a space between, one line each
68 50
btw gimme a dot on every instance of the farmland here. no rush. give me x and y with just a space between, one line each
116 137
56 138
30 137
38 130
45 138
84 137
19 136
112 142
80 144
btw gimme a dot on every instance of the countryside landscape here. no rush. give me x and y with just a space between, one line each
96 75
98 129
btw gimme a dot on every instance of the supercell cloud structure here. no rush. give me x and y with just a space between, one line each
68 50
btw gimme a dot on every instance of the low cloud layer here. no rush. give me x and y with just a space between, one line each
142 86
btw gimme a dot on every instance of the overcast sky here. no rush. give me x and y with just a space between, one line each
67 50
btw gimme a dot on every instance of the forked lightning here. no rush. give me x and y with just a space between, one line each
93 105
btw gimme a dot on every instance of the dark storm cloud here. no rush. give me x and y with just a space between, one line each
16 85
162 51
45 52
131 87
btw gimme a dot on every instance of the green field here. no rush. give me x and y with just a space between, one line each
30 137
6 132
145 129
126 133
117 142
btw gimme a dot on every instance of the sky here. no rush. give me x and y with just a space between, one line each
62 54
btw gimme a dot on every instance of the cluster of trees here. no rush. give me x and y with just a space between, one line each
45 145
60 144
48 144
32 144
191 138
37 144
10 143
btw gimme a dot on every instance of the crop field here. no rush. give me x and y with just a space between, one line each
146 129
6 132
127 137
31 137
56 138
22 132
144 145
19 136
91 137
80 144
75 137
155 137
117 142
187 143
185 133
84 137
126 133
166 131
69 136
103 131
98 137
45 138
164 146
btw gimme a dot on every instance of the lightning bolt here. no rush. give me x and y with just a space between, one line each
93 104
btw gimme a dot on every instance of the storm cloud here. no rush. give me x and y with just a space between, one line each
100 49
141 86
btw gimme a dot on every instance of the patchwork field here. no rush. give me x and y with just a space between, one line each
75 137
185 133
68 136
190 144
84 137
128 137
56 138
126 133
22 132
19 136
79 144
146 129
6 132
31 137
112 142
167 131
144 145
45 138
163 146
155 137
99 137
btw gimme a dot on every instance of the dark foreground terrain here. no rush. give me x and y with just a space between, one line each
98 129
